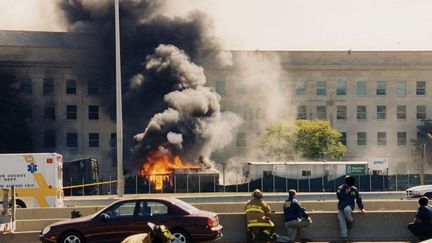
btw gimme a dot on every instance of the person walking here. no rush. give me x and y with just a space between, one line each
260 227
296 218
347 194
421 227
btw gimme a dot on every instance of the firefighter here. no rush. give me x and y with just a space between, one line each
260 227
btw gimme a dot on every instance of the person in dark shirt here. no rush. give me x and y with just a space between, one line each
421 227
295 217
346 195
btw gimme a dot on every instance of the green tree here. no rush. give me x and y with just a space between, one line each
15 136
317 140
425 138
309 139
425 131
278 141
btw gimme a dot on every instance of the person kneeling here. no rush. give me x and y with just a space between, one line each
296 218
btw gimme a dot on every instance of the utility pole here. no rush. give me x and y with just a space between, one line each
119 120
422 163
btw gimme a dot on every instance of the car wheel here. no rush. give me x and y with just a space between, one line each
428 195
180 236
71 237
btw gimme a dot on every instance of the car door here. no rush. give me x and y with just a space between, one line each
115 223
152 211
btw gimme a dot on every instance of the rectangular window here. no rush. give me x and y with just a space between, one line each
381 88
421 112
93 112
49 112
400 88
220 87
71 87
381 138
301 112
92 87
361 88
341 88
361 112
381 112
301 88
321 88
241 139
421 88
401 138
322 112
71 112
361 138
48 87
27 87
306 173
72 140
49 139
113 140
341 112
343 138
93 140
401 112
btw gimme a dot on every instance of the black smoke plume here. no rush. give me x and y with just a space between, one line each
165 96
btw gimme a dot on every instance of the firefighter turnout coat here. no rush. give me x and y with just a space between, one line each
257 214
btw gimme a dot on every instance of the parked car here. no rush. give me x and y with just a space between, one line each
131 216
419 191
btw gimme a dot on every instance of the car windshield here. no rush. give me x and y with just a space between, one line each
186 206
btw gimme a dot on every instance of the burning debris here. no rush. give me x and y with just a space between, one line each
192 121
160 165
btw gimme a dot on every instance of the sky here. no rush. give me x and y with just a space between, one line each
276 24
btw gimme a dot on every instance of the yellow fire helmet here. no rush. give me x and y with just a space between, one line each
257 194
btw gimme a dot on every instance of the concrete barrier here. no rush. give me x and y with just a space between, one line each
374 226
370 205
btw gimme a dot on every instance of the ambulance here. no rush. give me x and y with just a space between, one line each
37 178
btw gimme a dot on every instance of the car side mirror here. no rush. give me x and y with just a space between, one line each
105 217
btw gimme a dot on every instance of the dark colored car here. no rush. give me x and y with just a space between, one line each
131 216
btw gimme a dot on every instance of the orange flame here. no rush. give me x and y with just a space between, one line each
159 166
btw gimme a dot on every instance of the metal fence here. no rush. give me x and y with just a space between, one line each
198 183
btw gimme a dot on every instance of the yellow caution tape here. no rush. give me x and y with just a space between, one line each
90 184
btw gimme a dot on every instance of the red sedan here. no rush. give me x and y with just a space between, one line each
130 216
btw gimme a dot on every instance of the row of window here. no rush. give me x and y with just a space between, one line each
49 112
381 112
341 88
72 140
49 87
381 138
361 88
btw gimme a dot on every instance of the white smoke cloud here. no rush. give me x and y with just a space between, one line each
175 138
